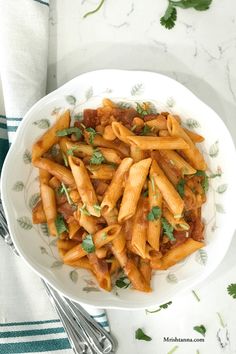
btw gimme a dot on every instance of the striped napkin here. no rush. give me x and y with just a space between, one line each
28 323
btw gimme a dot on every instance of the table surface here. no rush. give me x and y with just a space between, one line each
200 52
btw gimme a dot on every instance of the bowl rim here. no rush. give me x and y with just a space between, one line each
6 202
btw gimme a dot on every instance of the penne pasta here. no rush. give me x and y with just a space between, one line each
154 224
139 230
157 143
38 214
49 207
137 176
101 171
50 138
192 154
84 185
121 132
169 193
115 189
177 161
178 253
60 172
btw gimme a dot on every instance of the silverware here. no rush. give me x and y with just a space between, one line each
85 335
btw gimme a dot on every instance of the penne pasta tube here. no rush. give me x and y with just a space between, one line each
44 176
100 269
139 230
121 132
73 227
60 172
80 263
111 155
101 171
38 214
154 225
192 154
88 222
101 252
116 187
136 277
108 103
74 254
79 149
163 132
178 253
168 191
50 138
145 270
66 244
136 153
177 161
115 266
137 176
108 133
106 235
158 123
196 138
178 224
157 143
49 207
54 183
84 185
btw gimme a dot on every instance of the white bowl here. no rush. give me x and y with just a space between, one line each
20 187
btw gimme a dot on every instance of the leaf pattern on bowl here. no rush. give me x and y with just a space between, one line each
89 93
42 123
202 257
27 157
172 278
170 102
25 222
70 99
74 275
44 229
214 149
43 250
192 123
18 186
219 208
137 89
222 188
89 289
34 200
57 264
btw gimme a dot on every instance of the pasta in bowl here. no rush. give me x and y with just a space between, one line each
124 201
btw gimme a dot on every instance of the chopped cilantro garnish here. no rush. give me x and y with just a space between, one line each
140 335
92 134
60 225
122 282
97 157
88 244
167 229
146 130
200 329
68 131
154 214
180 187
84 210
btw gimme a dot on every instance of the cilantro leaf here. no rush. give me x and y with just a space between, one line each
88 244
104 236
167 229
143 109
180 187
205 181
200 5
97 157
71 150
164 306
140 335
68 131
65 190
60 224
97 207
65 159
232 290
92 134
145 193
200 329
154 214
169 18
122 282
146 130
84 210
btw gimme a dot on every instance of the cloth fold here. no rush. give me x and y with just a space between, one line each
28 323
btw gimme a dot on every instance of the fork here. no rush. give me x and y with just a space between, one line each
84 333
